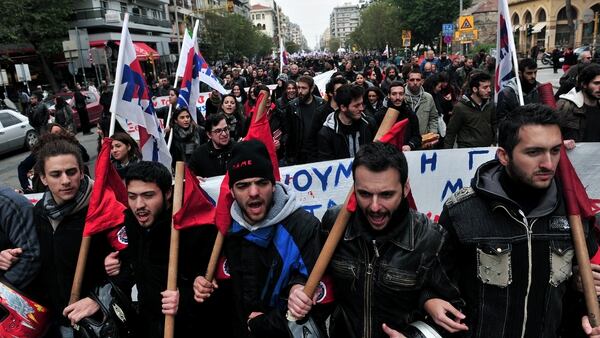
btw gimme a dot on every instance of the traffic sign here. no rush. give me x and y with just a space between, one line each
448 29
466 36
406 34
466 23
405 42
447 39
22 70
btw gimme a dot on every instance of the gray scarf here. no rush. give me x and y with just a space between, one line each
56 213
414 100
284 204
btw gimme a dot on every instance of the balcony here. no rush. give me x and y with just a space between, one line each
99 14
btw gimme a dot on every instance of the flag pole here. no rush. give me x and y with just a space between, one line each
84 247
174 246
339 227
585 270
118 79
218 246
194 34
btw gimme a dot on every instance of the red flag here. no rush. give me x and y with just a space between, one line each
196 208
259 130
395 137
108 201
576 198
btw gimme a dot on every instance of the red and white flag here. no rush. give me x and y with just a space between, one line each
507 66
131 101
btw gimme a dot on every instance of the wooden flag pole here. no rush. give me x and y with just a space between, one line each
339 227
174 246
218 246
84 249
585 269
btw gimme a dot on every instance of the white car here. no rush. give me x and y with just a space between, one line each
15 131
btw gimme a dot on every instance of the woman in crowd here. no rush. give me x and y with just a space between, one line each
373 101
279 91
240 94
124 152
291 92
361 81
235 120
187 135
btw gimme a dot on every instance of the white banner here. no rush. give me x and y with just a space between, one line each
434 175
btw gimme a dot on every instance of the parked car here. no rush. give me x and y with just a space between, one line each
93 105
15 131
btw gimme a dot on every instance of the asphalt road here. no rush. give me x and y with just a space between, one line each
9 162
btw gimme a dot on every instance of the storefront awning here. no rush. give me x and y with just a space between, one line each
516 28
98 43
538 27
142 51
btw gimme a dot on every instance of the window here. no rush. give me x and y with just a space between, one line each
263 16
562 14
515 19
541 15
123 7
104 4
527 17
8 120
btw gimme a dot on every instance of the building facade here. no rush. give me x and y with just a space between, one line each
548 18
343 21
264 18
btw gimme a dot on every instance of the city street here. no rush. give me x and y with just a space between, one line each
9 162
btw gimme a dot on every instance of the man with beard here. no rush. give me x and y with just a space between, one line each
473 122
210 159
145 260
578 110
163 89
508 98
509 250
391 75
569 79
421 103
271 247
395 100
346 129
298 121
387 255
462 73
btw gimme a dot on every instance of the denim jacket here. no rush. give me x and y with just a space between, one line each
511 268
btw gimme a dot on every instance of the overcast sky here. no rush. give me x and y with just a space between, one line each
311 15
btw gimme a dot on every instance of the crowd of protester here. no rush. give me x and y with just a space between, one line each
498 264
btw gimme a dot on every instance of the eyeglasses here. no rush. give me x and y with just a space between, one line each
220 130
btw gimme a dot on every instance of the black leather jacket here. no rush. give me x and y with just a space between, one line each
380 280
511 268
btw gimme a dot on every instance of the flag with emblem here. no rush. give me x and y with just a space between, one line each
131 101
108 202
197 207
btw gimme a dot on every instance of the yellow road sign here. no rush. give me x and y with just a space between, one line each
466 23
466 36
406 34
